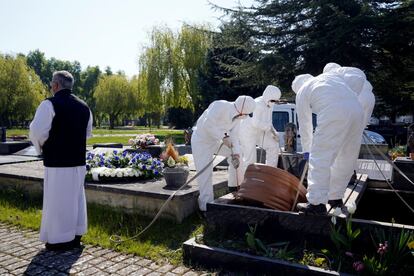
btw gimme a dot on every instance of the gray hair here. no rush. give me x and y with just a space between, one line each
64 79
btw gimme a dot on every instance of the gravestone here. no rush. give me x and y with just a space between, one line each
406 165
107 145
10 147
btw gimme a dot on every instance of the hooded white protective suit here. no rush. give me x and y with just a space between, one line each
330 67
365 96
219 119
259 130
335 144
356 80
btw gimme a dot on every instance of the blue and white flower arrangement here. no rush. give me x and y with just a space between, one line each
122 164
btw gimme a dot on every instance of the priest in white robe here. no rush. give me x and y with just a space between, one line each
59 130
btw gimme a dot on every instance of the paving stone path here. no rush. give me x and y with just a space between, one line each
21 253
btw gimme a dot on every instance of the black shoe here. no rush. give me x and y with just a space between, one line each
336 203
310 209
63 246
76 242
232 189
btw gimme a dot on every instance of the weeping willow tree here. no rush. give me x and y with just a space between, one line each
194 44
21 90
153 71
116 98
169 68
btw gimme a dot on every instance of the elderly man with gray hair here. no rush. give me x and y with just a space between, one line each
59 130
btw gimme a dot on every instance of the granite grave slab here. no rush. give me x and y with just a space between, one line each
10 147
229 216
406 165
11 159
215 257
29 151
145 196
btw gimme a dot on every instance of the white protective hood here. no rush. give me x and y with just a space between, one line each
244 105
299 81
271 93
330 67
355 78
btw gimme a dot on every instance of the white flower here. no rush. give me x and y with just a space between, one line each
129 172
170 162
337 212
137 173
118 172
351 208
107 172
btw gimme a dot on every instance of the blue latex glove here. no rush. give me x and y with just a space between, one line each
306 156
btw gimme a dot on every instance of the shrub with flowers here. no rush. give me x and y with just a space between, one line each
122 164
392 252
398 151
142 141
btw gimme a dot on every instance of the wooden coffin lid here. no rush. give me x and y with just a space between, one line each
274 187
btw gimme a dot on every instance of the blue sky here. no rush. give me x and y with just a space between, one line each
96 32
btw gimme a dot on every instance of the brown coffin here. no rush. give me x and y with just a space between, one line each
273 187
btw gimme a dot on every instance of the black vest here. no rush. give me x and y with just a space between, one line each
66 145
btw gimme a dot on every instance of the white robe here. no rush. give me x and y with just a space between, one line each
64 204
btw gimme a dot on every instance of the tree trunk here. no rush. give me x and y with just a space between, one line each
111 121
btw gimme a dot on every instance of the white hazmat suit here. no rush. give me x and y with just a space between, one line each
365 97
335 144
219 119
259 130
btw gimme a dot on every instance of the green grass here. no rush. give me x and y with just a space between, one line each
135 130
162 241
162 134
17 131
178 139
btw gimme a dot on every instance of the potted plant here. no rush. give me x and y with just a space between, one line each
175 167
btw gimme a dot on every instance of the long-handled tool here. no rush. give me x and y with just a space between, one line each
118 239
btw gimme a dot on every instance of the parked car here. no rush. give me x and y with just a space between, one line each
286 113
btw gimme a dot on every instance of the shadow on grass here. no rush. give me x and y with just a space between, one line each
19 199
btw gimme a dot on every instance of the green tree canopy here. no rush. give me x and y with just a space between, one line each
283 38
171 64
116 97
21 90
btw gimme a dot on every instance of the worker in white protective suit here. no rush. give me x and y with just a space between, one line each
333 148
365 96
218 124
259 130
